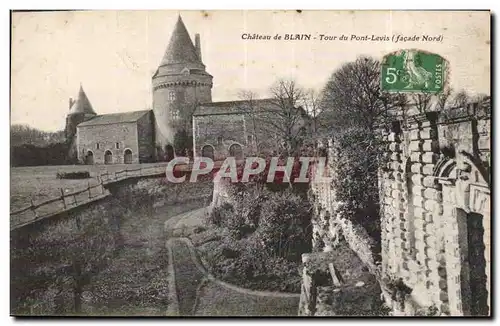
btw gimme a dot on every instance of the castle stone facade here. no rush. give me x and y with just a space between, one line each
182 112
435 219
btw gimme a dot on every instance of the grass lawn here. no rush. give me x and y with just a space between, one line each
40 183
215 300
134 284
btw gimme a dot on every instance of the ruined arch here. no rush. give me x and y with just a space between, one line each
465 233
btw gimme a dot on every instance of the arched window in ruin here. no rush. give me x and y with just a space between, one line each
89 158
108 157
208 151
236 151
127 156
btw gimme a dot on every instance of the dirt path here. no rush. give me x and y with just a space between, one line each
187 277
200 294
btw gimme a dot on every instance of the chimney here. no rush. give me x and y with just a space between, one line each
71 102
197 45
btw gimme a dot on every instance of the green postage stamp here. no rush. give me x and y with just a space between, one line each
413 70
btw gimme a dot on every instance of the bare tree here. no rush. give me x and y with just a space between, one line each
250 108
353 97
461 99
287 118
312 104
421 101
444 99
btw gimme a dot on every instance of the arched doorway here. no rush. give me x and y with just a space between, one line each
236 151
466 244
208 151
108 157
473 287
89 158
169 153
127 156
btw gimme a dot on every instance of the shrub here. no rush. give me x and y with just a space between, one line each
73 175
285 228
247 209
219 215
356 177
246 263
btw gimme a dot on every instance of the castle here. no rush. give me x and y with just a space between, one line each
182 108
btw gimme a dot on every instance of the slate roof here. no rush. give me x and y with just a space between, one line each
180 48
113 118
231 107
82 104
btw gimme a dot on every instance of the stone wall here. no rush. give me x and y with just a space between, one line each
435 214
220 132
115 138
145 135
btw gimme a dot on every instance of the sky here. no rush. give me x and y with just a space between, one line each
113 54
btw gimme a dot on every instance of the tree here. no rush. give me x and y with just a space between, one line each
461 99
286 120
312 105
421 101
249 107
353 97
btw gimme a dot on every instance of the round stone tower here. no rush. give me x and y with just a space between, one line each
179 84
80 110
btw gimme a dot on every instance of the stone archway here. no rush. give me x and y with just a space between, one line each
89 158
236 151
127 156
108 157
465 232
207 151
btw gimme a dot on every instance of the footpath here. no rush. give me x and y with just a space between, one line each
195 292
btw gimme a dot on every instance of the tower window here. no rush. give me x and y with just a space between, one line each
97 145
219 140
117 145
171 96
175 114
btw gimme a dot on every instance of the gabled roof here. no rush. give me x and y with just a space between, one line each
82 104
232 107
113 118
180 48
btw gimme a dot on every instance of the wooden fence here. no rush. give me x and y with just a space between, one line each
71 200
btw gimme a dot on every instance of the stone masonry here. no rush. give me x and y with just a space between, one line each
435 214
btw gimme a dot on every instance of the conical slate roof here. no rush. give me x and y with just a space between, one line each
180 48
82 104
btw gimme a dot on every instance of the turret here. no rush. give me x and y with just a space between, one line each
80 110
179 84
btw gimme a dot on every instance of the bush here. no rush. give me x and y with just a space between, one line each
246 264
356 177
73 175
285 228
247 210
218 215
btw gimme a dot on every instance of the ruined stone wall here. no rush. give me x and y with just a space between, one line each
435 214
